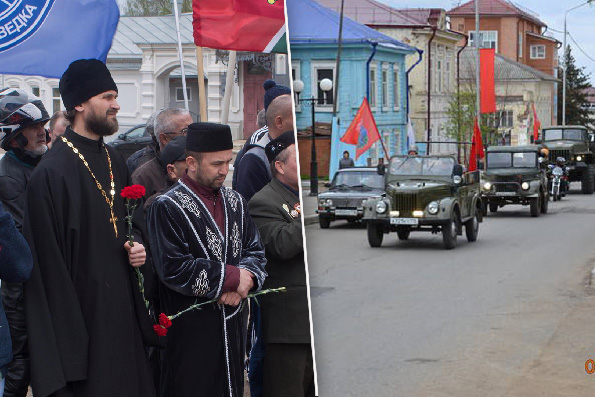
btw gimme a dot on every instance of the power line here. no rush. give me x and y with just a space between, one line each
579 47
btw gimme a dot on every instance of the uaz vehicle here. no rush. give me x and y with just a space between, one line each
425 193
514 175
343 200
132 140
572 143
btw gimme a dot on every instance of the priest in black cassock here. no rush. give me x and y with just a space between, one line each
205 246
85 315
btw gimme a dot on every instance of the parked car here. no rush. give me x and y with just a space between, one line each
132 140
349 187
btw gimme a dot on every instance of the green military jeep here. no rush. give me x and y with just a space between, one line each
573 143
514 175
425 193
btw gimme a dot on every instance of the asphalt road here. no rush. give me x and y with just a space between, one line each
509 315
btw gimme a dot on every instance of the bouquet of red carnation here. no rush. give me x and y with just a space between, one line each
133 194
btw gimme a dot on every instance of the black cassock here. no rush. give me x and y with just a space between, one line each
85 315
205 348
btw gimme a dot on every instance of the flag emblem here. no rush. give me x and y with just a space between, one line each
20 19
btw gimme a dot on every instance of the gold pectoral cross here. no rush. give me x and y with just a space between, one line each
113 220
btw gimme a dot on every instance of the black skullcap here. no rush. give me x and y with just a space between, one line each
174 151
84 79
279 144
272 91
208 137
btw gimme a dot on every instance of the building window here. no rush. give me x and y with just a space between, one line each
35 91
396 87
296 75
384 83
180 94
447 75
505 119
373 93
56 101
320 71
520 45
487 39
438 82
538 51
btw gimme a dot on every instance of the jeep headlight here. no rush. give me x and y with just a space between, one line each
579 158
433 208
487 186
525 186
381 207
328 202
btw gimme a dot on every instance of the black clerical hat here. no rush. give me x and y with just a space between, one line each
208 137
84 79
174 151
272 91
279 144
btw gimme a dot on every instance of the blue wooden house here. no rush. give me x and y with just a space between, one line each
372 65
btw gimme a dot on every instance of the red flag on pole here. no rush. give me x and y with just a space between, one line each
477 150
362 131
536 124
241 25
486 77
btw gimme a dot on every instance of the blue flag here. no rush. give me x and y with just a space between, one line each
42 37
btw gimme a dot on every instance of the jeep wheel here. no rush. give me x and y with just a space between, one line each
544 204
588 180
535 206
403 232
493 207
324 222
449 232
375 234
472 227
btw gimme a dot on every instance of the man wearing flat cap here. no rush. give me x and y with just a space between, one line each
85 314
288 366
205 246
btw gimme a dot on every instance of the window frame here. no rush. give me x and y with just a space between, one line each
534 51
314 84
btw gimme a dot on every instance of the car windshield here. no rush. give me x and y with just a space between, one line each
358 179
428 166
512 160
566 134
137 132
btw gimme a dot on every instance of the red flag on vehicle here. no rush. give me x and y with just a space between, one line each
536 124
486 77
476 147
240 25
362 131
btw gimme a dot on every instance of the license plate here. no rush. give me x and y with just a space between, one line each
346 212
506 193
404 221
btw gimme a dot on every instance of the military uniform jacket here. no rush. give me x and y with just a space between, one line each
285 317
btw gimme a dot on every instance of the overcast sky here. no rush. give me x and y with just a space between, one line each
580 22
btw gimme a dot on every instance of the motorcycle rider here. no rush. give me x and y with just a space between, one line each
561 163
22 120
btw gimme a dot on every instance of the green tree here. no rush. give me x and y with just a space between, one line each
145 8
576 82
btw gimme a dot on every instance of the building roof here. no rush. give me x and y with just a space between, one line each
495 8
132 31
505 69
309 22
371 12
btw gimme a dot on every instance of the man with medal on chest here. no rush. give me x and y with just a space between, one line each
85 314
205 246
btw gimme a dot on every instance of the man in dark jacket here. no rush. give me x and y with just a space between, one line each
22 117
288 365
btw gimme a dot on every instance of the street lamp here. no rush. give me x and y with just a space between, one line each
565 65
298 86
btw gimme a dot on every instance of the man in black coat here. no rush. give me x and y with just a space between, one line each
288 365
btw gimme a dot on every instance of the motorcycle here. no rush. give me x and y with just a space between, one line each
557 174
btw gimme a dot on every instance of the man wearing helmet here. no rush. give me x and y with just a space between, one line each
22 120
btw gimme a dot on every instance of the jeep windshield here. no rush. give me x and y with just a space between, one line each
357 179
511 160
563 134
422 166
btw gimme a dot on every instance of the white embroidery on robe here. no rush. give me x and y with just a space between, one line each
233 200
201 285
236 242
214 244
187 203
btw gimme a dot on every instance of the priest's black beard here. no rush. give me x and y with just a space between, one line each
101 126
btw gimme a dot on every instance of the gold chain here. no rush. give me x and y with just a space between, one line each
113 219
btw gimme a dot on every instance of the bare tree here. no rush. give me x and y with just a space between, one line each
145 8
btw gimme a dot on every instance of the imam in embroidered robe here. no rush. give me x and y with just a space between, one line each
205 348
85 315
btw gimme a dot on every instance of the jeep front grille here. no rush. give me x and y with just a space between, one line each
555 153
405 203
506 187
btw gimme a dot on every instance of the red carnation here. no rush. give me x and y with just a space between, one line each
133 192
160 330
164 321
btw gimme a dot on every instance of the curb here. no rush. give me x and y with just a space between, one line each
313 219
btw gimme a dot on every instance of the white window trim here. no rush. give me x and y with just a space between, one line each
470 32
315 65
296 64
189 94
373 67
396 87
536 47
385 101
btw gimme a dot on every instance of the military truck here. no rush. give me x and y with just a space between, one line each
514 175
425 193
573 143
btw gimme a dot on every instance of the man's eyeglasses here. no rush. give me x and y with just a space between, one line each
172 135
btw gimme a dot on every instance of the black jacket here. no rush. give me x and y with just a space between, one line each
14 176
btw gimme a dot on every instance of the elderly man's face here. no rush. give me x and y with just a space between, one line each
288 173
35 135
